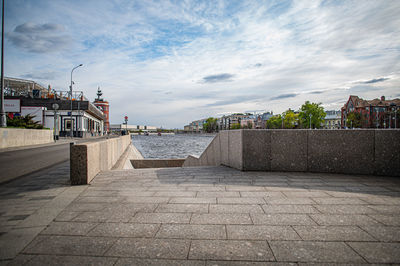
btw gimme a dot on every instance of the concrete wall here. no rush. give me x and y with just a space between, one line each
88 159
157 163
15 137
332 151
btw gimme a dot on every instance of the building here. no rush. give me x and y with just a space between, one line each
117 128
376 113
195 126
104 106
227 122
248 122
53 108
261 120
332 119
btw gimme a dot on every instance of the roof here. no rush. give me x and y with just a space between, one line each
360 103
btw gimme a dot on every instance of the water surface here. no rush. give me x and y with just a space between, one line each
171 146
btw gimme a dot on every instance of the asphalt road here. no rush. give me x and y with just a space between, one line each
17 163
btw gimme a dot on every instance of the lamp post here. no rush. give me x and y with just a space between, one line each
310 121
3 119
70 92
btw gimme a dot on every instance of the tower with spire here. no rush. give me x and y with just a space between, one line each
104 107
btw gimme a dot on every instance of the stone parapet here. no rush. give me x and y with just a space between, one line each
88 159
367 151
17 137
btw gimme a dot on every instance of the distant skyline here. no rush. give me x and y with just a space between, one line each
167 63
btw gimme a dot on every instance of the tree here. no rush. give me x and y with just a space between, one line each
354 120
235 126
24 122
290 119
274 122
210 125
313 111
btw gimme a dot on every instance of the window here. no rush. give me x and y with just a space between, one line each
67 124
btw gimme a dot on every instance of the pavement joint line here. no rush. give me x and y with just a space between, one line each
347 244
272 251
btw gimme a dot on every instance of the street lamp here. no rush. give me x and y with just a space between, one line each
310 121
3 119
70 91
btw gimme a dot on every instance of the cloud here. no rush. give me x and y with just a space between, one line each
234 100
29 28
218 78
284 96
316 92
39 38
374 80
44 75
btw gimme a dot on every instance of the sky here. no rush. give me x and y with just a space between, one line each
166 63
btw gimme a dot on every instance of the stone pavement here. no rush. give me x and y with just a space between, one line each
204 216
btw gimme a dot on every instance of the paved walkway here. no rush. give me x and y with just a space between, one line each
204 216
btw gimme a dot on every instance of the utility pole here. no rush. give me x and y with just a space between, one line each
70 92
3 119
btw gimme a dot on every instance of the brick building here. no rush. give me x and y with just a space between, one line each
376 113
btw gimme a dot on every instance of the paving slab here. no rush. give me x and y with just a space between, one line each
383 233
221 218
343 219
68 228
282 219
230 250
39 260
159 218
185 208
333 233
124 230
150 248
201 216
378 252
69 245
192 231
289 209
310 251
248 263
157 262
235 208
261 232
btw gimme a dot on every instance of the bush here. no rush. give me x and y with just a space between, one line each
23 122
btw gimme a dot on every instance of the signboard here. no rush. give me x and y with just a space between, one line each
12 105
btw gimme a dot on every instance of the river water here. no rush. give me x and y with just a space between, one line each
171 146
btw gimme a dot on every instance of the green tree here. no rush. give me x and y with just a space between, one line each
354 120
274 122
210 125
313 111
290 119
235 126
24 122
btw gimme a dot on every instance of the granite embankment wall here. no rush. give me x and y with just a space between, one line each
88 159
367 151
16 137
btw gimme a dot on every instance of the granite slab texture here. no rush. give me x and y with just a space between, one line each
200 216
366 151
289 150
89 158
256 150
